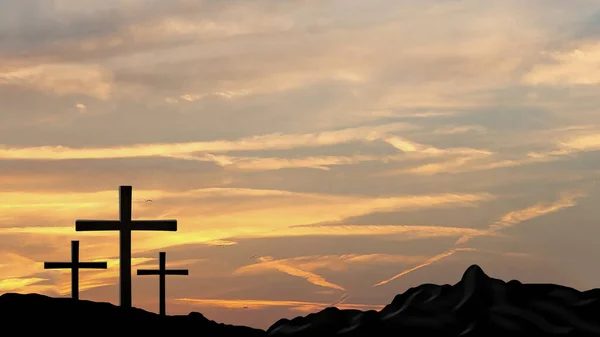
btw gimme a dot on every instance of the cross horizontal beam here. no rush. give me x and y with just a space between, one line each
162 272
154 225
58 265
115 225
80 265
97 225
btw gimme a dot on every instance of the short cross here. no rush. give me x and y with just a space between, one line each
125 225
75 265
162 272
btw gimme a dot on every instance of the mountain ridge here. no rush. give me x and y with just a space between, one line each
477 305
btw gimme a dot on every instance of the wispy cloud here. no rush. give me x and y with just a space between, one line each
62 79
274 208
263 142
211 151
510 219
91 279
305 266
424 264
269 263
18 284
576 66
261 304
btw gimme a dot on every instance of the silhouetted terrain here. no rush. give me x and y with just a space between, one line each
33 313
476 306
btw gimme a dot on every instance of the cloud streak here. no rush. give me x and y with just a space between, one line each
433 259
263 142
261 304
267 262
510 219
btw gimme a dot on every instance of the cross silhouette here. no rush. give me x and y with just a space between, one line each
162 272
125 225
75 265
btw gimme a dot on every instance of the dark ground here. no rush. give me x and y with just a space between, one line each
476 306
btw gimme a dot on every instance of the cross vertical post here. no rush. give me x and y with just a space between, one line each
125 225
162 292
162 272
125 199
75 265
75 269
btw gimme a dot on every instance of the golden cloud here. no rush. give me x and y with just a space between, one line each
285 267
578 66
567 199
62 79
261 304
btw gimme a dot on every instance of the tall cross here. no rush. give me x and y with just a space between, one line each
162 272
125 225
75 265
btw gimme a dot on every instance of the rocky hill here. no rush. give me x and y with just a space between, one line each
476 306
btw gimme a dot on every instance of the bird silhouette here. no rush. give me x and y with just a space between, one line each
149 200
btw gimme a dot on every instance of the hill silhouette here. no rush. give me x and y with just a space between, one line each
475 306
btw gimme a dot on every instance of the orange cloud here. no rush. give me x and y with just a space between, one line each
62 79
578 66
331 262
91 278
508 220
425 264
205 151
264 142
16 266
567 199
589 141
18 284
261 304
284 267
264 213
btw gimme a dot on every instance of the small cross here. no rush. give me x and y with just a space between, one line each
125 225
162 272
75 265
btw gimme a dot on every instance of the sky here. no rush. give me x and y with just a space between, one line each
313 152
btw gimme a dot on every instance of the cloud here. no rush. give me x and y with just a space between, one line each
508 220
425 264
581 143
511 219
17 272
90 279
221 243
562 143
447 254
261 304
281 265
305 266
264 142
331 262
407 231
257 213
459 129
578 66
202 151
18 284
472 164
62 79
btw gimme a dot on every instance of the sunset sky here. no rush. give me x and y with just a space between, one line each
314 152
